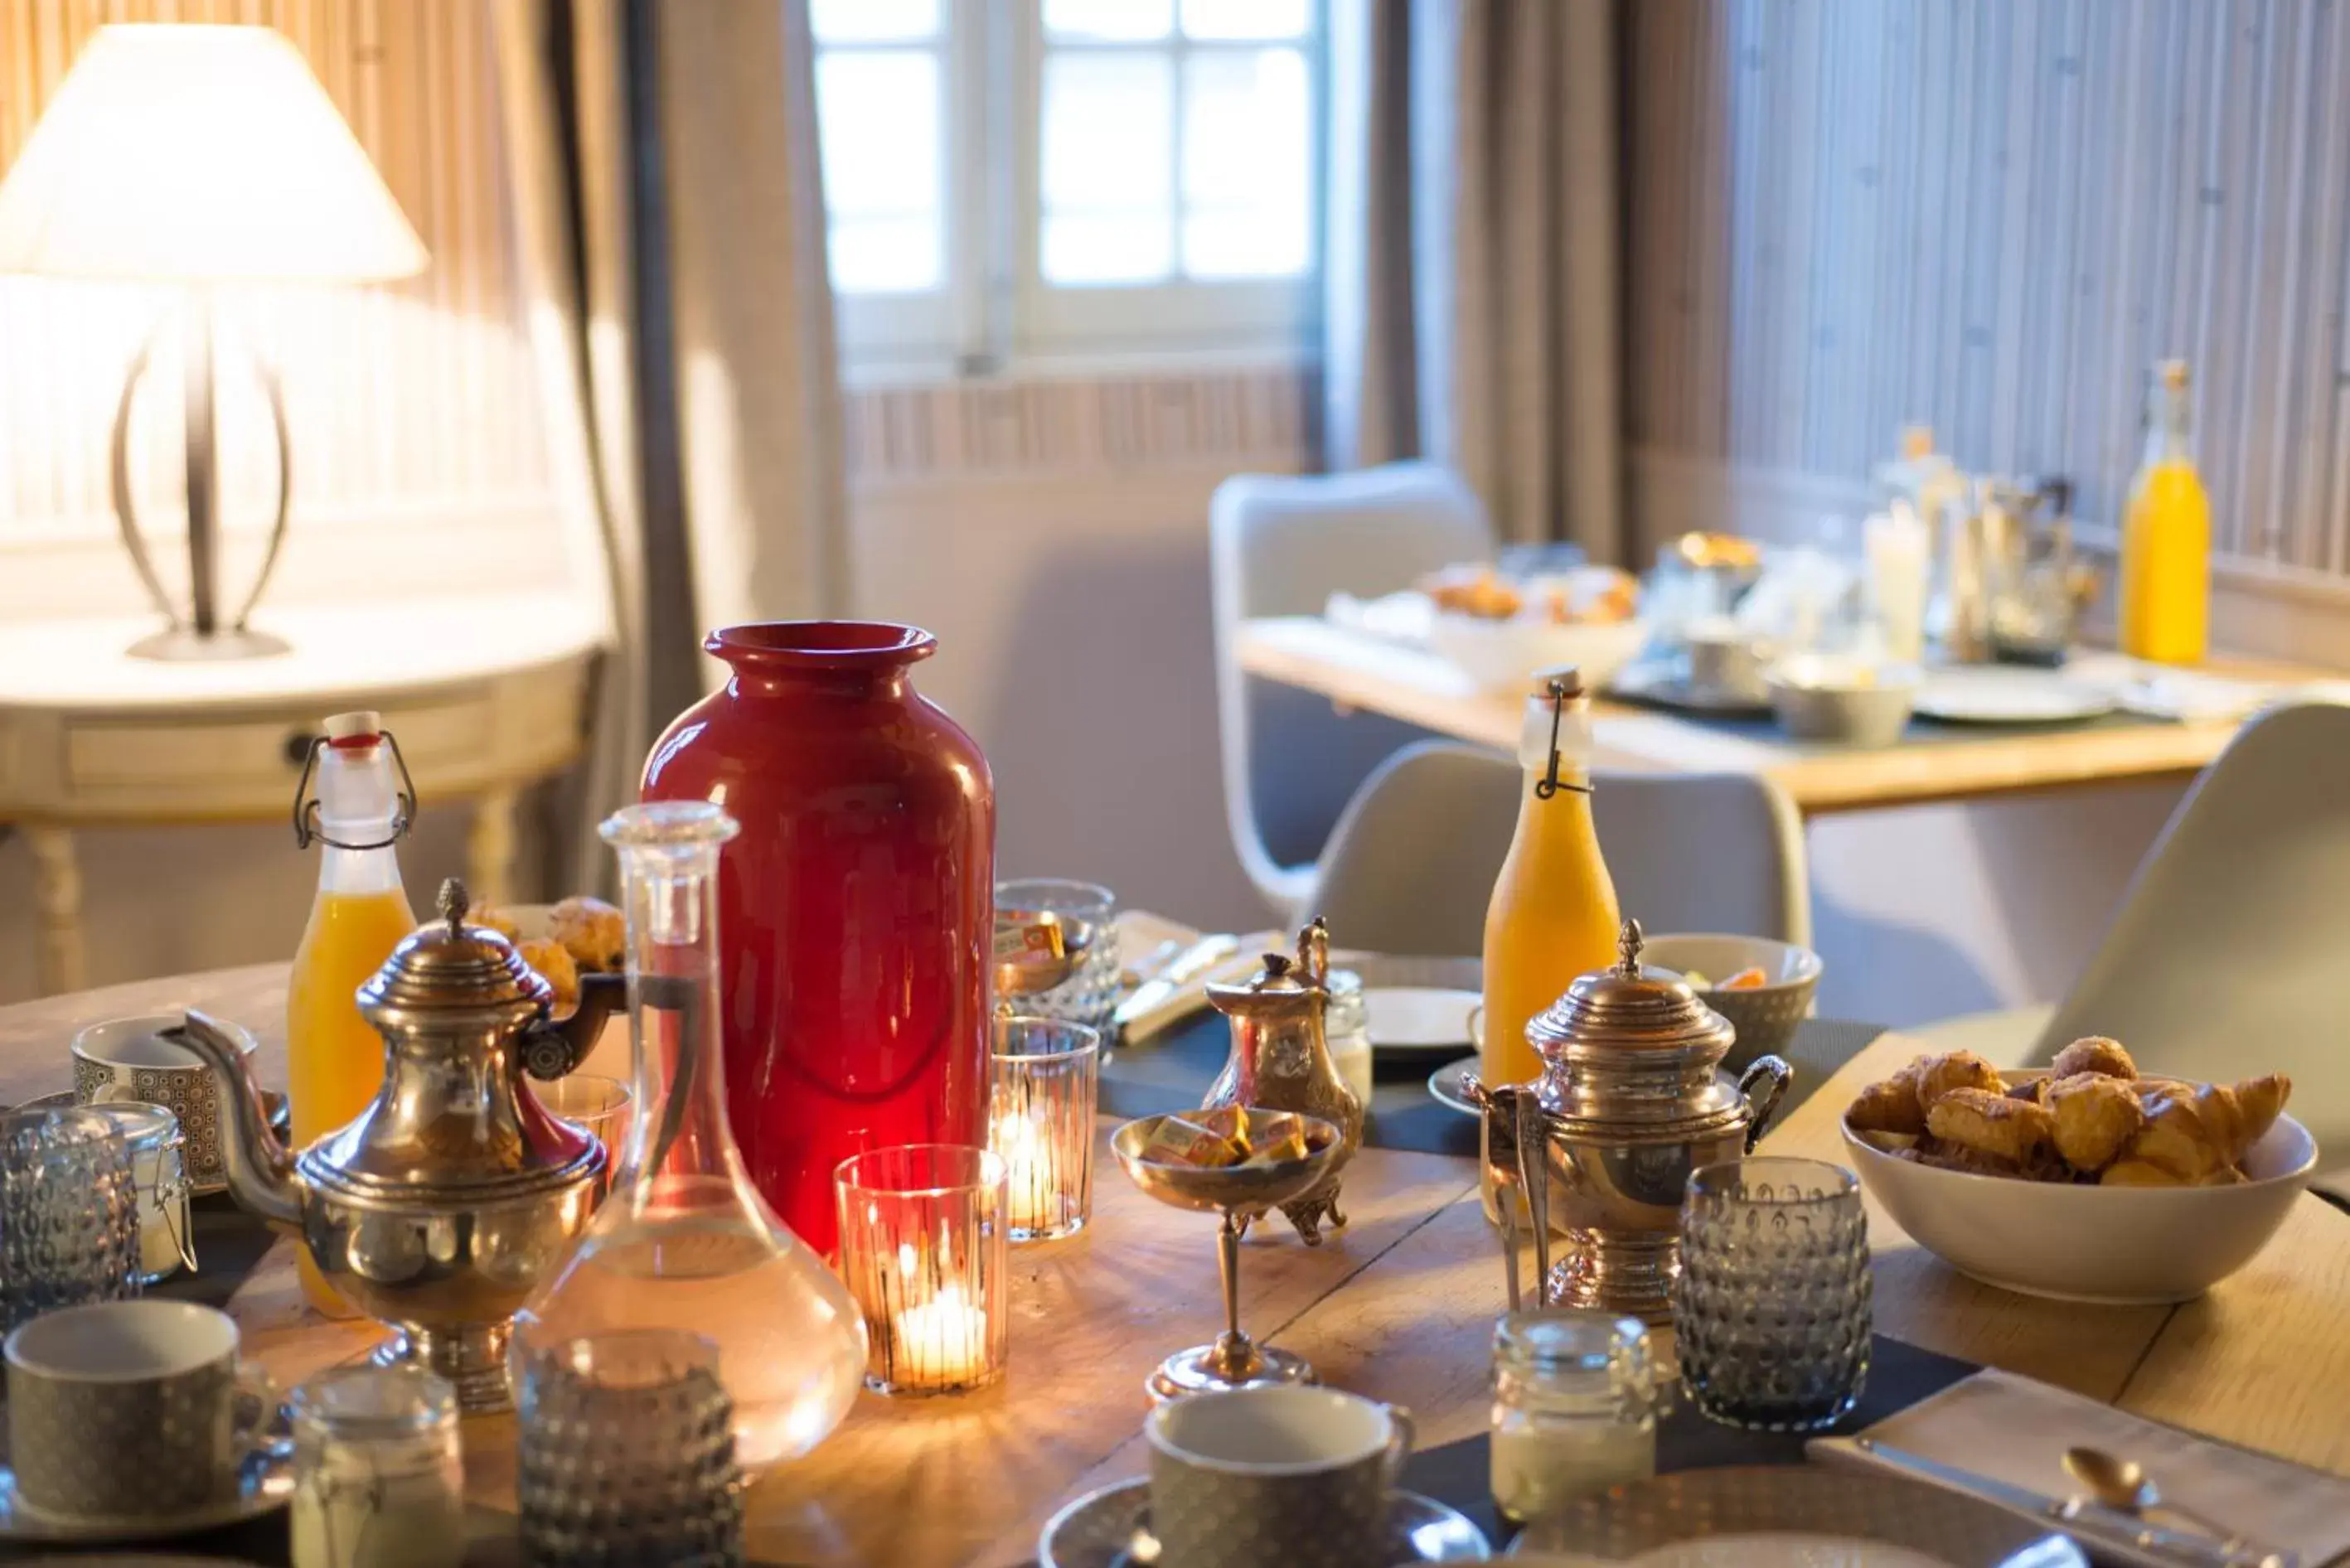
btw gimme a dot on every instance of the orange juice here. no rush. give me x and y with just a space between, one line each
1552 915
2166 576
334 1057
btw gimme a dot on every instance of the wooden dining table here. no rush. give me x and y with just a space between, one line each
1358 671
1399 1305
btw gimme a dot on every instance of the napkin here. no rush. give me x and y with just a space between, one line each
2016 1430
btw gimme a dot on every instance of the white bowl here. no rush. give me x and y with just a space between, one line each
2117 1246
1766 1016
1501 655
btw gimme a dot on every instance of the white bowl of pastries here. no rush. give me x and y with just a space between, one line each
1499 631
2084 1182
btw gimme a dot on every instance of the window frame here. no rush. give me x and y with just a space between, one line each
994 310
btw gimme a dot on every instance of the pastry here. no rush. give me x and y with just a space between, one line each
498 920
1890 1106
1957 1156
2261 1100
2094 1117
591 931
1939 1075
2094 1053
552 959
1986 1122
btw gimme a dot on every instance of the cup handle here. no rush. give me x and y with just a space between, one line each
1398 1446
114 1091
256 1411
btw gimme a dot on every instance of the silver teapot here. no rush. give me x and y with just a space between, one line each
439 1208
1597 1151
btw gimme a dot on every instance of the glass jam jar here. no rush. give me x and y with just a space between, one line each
1574 1408
378 1470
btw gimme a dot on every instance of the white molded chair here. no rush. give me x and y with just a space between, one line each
1412 862
2227 956
1282 546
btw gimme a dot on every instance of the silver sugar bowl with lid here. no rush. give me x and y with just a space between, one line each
441 1206
1596 1152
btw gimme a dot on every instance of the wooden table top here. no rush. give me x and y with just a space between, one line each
1399 1305
1355 671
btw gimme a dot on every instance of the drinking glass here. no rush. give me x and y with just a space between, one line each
596 1103
625 1453
1771 1309
1045 1081
69 1213
922 1246
1087 912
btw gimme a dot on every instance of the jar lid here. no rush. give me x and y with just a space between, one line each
1568 1339
376 1401
447 965
145 1128
1628 1010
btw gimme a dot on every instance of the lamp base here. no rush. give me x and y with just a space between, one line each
183 645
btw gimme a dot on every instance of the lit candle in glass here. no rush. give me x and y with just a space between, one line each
1045 1079
922 1237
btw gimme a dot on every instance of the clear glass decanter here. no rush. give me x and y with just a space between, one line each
685 1241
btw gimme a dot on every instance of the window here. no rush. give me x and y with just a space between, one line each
1068 177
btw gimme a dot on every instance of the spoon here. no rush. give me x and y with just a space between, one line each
2122 1484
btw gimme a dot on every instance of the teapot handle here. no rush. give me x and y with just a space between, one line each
551 1050
1760 1111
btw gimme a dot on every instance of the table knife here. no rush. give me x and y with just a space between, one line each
1156 992
2091 1524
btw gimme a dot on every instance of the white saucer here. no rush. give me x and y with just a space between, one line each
1100 1530
1444 1086
265 1484
1406 1020
1995 696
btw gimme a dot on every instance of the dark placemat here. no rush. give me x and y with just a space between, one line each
230 1244
1171 1069
1899 1376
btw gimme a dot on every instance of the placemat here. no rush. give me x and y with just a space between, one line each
1170 1071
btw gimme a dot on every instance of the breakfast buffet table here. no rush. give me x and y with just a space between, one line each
1356 671
1399 1305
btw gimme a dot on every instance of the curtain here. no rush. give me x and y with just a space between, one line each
670 221
1472 290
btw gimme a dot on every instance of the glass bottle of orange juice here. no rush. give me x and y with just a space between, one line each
1552 915
334 1057
2166 577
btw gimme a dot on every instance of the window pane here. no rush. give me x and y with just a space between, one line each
873 21
877 126
1247 164
1114 247
1120 19
1245 18
1107 130
883 256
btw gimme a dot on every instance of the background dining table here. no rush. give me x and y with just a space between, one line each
1399 1305
1358 671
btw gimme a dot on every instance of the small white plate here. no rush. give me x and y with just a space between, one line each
1444 1086
1408 1018
2009 697
1099 1531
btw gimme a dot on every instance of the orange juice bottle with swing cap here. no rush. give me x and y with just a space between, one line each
334 1057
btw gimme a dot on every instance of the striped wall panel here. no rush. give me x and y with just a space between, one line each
1993 216
412 399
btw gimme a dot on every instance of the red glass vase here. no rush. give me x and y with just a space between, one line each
855 909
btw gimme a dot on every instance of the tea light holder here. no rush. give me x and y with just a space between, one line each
1044 1080
923 1242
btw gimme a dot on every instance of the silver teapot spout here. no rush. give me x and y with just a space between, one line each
260 1170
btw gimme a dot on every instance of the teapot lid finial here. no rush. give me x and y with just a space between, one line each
455 903
1628 951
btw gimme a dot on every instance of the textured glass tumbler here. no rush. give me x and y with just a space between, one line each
626 1454
923 1248
1087 908
69 1213
1771 1311
1045 1081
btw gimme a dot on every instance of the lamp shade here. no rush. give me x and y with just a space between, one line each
198 153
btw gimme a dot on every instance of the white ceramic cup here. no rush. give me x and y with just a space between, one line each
125 1410
1291 1475
135 1059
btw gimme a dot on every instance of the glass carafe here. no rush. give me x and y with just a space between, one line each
685 1241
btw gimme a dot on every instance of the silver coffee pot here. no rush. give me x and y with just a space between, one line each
439 1208
1631 1099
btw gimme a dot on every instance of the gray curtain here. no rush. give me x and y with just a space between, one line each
670 221
1470 263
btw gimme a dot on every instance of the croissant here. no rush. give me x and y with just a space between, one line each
2093 1053
2191 1137
1986 1122
2096 1118
592 930
1939 1075
552 959
1890 1106
2261 1100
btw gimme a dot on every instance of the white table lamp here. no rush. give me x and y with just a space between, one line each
199 155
